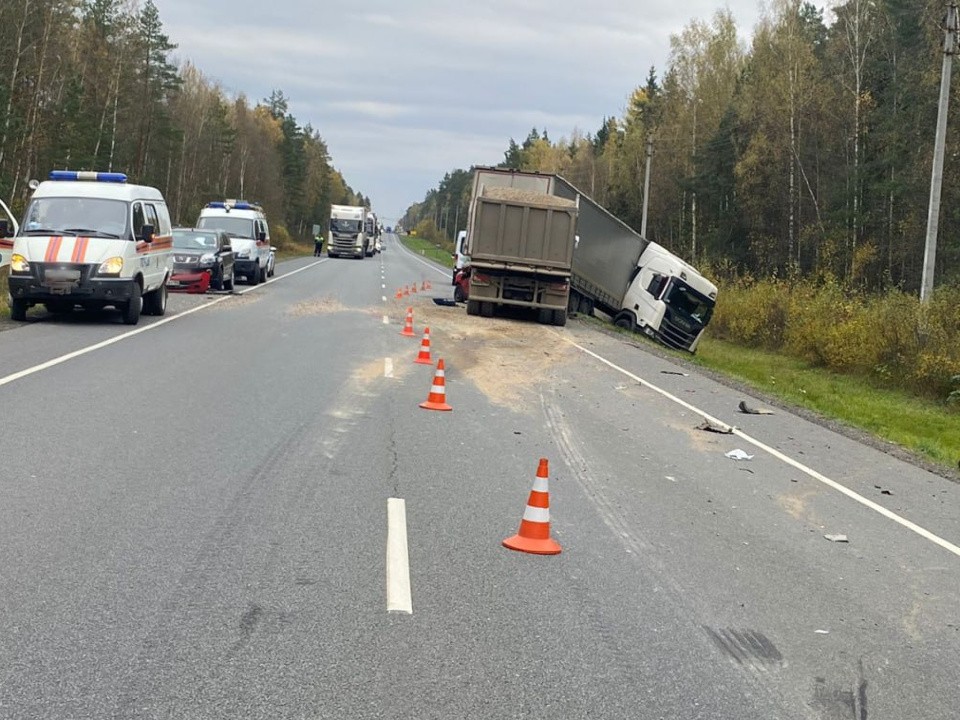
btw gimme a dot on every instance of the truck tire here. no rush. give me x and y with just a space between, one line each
544 316
559 318
625 321
18 309
486 309
586 306
473 307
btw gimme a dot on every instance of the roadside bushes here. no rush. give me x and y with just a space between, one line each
887 337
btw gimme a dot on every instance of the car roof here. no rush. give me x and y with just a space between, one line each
101 190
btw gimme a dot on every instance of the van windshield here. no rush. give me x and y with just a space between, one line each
75 216
233 226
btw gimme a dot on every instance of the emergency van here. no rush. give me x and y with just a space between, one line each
8 228
90 239
249 234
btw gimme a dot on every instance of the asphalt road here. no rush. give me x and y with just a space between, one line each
194 524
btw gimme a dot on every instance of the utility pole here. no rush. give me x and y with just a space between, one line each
646 187
936 179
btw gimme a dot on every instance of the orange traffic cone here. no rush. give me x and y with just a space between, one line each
429 285
408 325
413 288
406 291
534 536
399 294
425 285
424 357
437 399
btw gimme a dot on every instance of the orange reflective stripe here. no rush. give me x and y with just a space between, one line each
53 249
79 250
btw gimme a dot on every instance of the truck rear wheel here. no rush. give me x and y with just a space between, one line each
486 309
473 307
559 318
625 321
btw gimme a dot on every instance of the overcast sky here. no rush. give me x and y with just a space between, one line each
405 90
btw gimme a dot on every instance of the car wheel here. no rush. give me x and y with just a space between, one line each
131 311
217 281
228 284
18 309
155 302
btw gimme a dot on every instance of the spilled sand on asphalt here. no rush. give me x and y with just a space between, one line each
505 358
317 306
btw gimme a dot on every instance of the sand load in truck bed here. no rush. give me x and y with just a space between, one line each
527 197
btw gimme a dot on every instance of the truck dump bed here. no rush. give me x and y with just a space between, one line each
523 229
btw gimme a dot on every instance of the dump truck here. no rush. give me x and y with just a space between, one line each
520 241
639 284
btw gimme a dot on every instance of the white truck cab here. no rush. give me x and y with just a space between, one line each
348 232
8 229
249 234
92 240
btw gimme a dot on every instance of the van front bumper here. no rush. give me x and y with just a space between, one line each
106 290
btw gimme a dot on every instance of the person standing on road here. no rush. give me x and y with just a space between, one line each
317 245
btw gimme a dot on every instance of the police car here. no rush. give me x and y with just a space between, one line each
249 234
89 239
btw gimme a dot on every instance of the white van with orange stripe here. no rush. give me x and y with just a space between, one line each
91 240
8 228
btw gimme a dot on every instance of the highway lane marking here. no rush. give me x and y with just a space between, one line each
386 319
398 561
853 495
442 271
13 377
383 298
388 367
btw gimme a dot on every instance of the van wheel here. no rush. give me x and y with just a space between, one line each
254 277
155 302
263 274
228 284
473 307
18 309
131 311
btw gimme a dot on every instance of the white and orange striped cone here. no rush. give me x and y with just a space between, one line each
413 288
428 284
408 324
424 356
437 399
399 294
534 536
425 285
406 291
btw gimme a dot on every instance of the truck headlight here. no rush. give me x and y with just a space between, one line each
111 266
208 259
18 263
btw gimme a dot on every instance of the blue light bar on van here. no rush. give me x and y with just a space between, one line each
216 204
234 205
88 175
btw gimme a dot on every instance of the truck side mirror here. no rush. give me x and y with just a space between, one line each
146 233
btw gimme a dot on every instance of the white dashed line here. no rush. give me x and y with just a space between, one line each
398 562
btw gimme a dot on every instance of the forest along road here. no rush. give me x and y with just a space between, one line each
194 523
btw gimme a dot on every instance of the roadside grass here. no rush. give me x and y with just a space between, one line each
921 426
428 249
294 250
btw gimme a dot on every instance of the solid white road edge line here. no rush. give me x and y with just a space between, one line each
398 562
866 502
97 346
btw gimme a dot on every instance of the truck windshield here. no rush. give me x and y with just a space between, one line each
684 298
234 226
344 226
75 216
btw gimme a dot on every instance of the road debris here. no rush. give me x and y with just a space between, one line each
744 408
882 491
446 302
674 372
738 454
838 538
715 427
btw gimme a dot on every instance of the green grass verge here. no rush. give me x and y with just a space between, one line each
294 250
427 249
922 427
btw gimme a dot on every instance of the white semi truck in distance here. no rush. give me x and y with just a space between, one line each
348 232
641 285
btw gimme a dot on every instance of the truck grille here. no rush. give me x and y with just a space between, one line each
677 332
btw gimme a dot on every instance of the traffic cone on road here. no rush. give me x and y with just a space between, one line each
534 536
413 288
406 291
408 325
424 357
437 399
426 285
399 294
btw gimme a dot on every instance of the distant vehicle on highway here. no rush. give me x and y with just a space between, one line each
249 234
202 259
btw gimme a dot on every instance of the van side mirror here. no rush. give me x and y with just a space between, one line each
261 236
146 233
4 229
